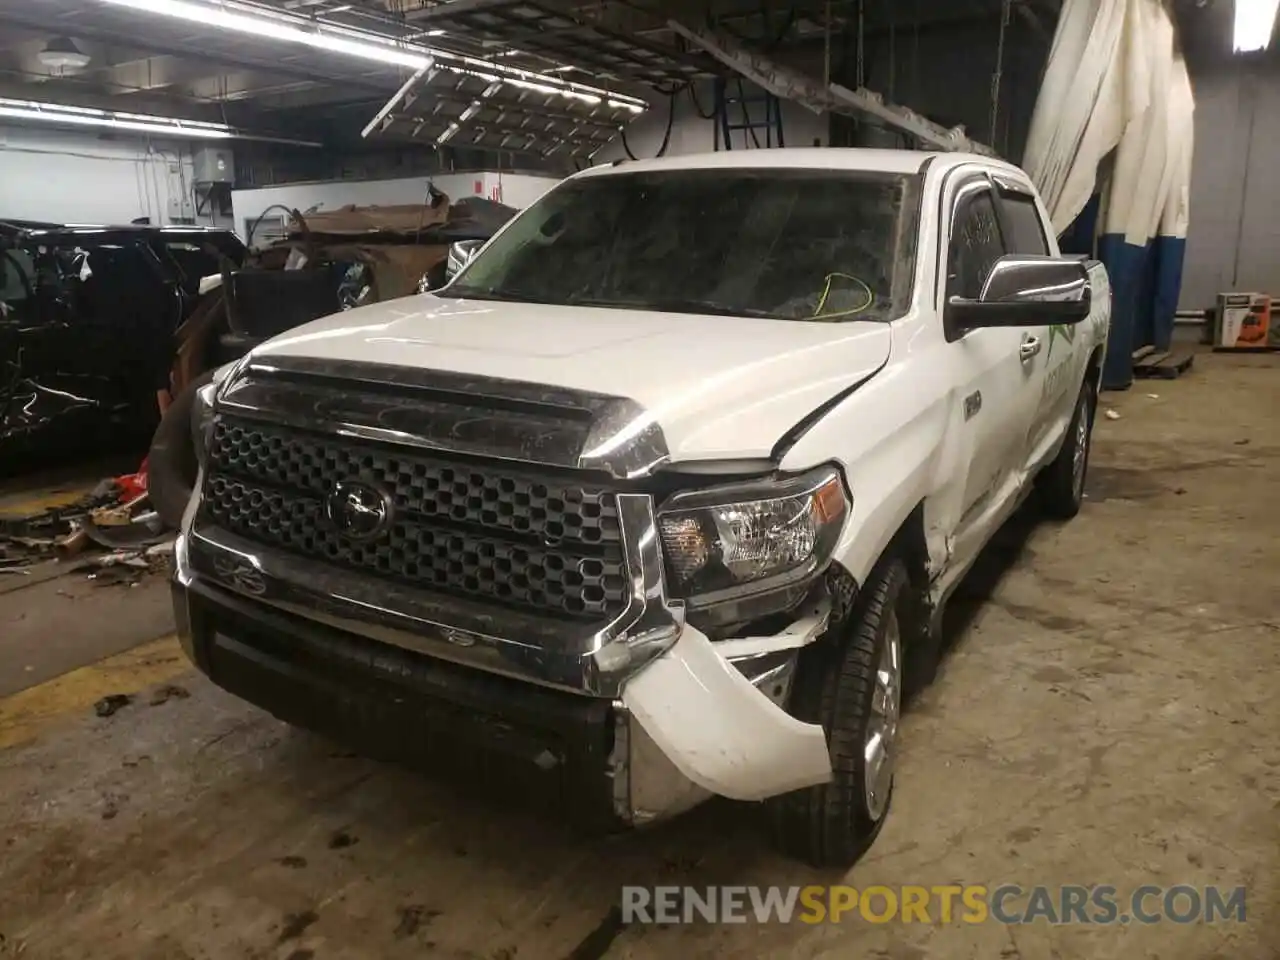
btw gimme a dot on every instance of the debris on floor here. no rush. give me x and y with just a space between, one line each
170 691
341 840
111 532
112 703
1112 415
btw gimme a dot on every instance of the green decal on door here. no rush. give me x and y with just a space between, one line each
1060 331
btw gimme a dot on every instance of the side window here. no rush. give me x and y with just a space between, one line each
17 280
976 244
1026 233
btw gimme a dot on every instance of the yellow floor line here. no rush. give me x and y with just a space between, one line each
25 507
28 713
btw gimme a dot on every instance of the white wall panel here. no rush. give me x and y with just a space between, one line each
1234 239
75 177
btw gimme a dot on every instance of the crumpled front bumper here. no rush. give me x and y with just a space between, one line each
690 724
719 722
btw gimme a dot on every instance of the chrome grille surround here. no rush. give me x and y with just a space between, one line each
520 541
548 575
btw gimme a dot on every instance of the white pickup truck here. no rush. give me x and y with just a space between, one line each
662 496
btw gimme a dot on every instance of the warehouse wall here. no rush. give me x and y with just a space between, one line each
74 177
691 133
1234 239
945 73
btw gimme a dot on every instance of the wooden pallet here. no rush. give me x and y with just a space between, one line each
1149 363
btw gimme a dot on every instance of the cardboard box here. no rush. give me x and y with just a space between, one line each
1243 322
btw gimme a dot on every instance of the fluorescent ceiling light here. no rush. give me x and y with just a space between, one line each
363 45
107 119
1255 22
225 17
70 115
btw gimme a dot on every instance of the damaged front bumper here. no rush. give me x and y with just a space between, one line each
688 724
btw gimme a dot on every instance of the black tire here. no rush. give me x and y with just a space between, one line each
832 824
171 464
1061 490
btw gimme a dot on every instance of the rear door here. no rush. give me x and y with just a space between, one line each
998 371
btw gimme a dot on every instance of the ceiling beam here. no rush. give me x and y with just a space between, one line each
457 7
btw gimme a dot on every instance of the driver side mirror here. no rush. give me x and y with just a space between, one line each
1026 291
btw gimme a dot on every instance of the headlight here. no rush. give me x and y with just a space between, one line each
202 409
739 540
202 418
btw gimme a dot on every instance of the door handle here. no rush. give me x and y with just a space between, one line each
1028 349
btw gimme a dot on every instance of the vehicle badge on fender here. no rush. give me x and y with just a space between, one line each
358 510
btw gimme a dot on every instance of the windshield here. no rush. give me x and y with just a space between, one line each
815 245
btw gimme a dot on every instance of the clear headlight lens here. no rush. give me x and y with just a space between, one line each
742 539
202 418
202 409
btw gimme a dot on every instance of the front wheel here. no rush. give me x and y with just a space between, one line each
852 686
1061 485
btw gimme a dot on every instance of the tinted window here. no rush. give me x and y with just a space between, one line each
976 244
795 245
17 276
193 262
1023 220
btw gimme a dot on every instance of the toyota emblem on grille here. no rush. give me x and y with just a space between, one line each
357 510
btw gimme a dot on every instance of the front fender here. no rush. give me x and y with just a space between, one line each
889 438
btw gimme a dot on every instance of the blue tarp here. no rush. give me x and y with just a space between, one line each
1145 283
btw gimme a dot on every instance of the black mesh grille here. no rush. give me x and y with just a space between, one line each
486 532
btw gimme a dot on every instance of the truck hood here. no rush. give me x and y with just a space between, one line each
719 387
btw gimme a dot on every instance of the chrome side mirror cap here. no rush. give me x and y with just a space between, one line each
1027 291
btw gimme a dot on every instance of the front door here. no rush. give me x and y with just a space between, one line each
1048 352
1000 374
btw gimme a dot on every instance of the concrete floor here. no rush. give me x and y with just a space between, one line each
1109 713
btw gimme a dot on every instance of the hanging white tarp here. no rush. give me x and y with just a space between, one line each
1077 93
1111 135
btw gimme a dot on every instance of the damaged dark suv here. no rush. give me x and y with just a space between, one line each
87 316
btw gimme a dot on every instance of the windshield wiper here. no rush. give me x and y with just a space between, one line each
678 305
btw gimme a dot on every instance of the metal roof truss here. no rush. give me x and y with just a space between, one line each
556 34
792 85
479 110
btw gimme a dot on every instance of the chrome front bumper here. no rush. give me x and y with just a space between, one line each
687 724
593 661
